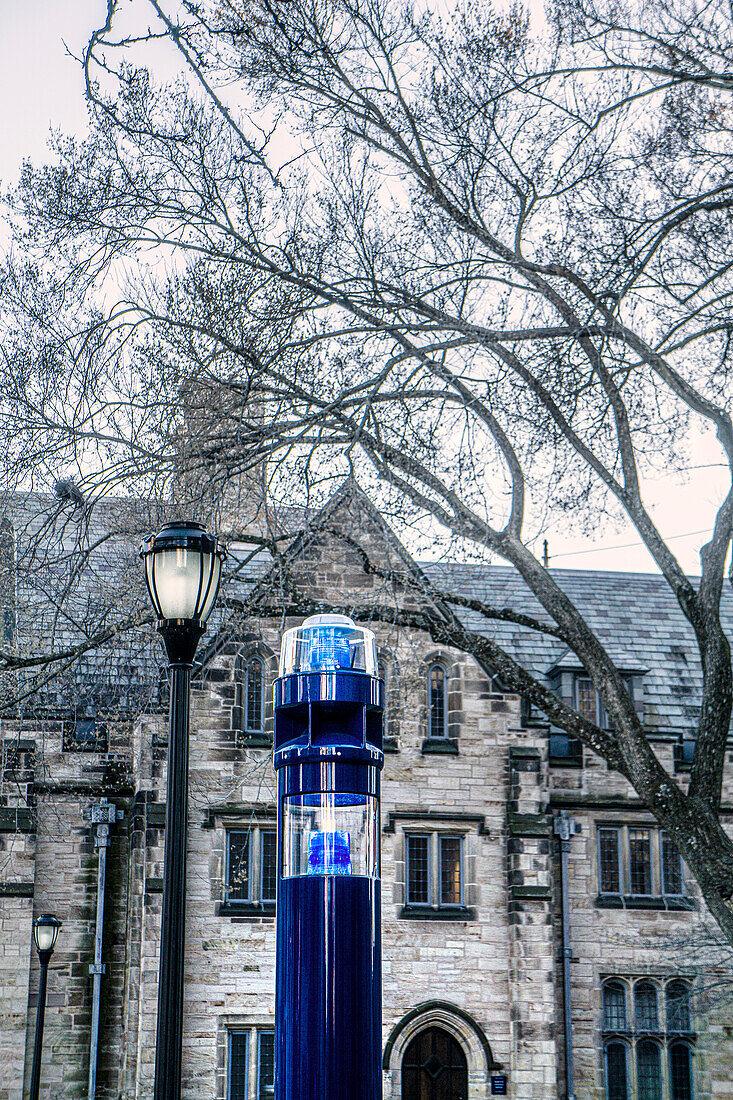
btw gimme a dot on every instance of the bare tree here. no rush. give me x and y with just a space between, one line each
486 271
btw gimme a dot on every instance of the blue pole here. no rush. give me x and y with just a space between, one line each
328 757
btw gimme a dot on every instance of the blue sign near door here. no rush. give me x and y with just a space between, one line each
498 1086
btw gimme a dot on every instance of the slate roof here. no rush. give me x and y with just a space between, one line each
55 609
634 614
78 575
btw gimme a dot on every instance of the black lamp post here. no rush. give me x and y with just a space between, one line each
182 570
45 934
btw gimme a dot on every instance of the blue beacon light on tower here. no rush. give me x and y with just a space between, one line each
328 758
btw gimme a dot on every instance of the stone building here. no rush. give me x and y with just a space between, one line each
480 796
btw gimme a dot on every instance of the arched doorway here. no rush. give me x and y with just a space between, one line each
434 1067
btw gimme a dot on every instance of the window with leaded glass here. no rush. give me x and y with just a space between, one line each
680 1071
238 1065
660 1046
251 1065
614 1007
254 695
609 857
238 864
648 1071
449 848
616 1076
646 1013
586 699
266 1065
438 724
434 871
673 881
249 712
251 869
268 864
640 861
677 995
418 869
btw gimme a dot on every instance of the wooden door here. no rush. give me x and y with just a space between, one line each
434 1068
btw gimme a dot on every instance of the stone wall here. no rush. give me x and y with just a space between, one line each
490 975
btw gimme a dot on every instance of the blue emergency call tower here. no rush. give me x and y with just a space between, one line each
328 757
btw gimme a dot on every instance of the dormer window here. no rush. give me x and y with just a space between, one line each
576 688
684 753
587 703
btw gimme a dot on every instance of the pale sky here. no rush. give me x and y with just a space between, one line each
42 87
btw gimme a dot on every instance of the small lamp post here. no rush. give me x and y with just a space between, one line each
328 757
45 934
182 569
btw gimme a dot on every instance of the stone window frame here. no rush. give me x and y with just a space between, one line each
458 1023
245 686
437 714
615 985
607 1046
436 826
251 650
435 871
255 819
631 1037
447 744
658 897
255 832
234 1024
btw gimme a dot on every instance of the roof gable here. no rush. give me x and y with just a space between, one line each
349 537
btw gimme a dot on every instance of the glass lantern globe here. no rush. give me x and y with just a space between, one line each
45 932
183 570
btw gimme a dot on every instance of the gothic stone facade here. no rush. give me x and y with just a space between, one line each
471 889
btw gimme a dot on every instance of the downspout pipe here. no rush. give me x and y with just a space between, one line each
101 814
565 827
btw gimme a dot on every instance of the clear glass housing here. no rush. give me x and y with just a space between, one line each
328 643
330 833
185 582
45 932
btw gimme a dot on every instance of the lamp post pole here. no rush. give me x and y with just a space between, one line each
169 1037
182 570
45 931
328 757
